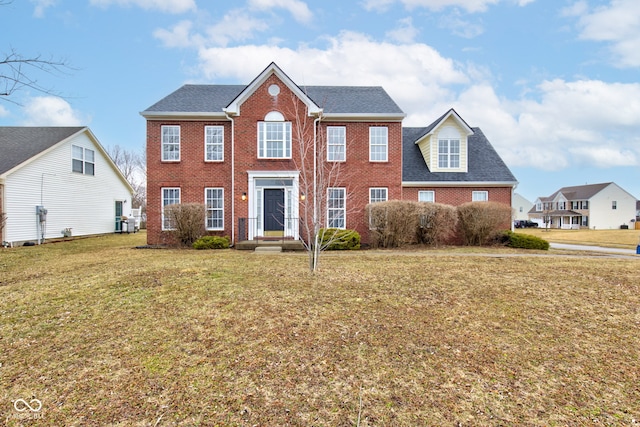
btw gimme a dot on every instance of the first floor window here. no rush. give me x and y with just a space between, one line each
170 196
377 195
480 196
378 144
215 208
426 196
274 140
170 143
336 143
336 208
82 160
213 143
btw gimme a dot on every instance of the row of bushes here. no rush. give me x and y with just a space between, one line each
400 223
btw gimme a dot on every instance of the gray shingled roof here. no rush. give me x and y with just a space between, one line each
333 99
581 192
19 144
485 165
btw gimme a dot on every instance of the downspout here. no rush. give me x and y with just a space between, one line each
233 181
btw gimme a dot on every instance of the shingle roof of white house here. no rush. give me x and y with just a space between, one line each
19 144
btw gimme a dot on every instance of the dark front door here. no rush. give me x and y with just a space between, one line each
274 212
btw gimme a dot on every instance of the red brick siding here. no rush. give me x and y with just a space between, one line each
457 196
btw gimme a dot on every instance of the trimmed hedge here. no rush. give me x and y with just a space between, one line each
523 241
478 222
211 242
335 239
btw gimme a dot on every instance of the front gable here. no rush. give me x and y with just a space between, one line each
445 146
274 89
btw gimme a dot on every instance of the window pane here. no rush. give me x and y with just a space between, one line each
336 143
378 142
76 152
76 165
426 196
214 136
88 168
215 208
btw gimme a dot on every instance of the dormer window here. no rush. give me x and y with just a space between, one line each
449 148
274 137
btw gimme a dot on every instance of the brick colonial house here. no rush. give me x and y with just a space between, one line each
235 148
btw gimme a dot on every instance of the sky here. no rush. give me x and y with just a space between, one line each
553 84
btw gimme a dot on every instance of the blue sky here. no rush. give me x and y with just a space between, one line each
554 84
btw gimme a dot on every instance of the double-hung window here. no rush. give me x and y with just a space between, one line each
378 144
170 196
426 196
479 196
336 208
170 143
336 143
83 160
448 153
614 204
377 195
214 202
213 143
274 140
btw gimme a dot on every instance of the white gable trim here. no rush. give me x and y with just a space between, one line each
456 117
233 108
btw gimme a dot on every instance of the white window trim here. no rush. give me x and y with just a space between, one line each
433 196
484 193
162 205
207 144
372 189
162 143
342 144
207 209
343 208
287 143
386 144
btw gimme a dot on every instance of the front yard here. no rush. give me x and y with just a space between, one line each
102 334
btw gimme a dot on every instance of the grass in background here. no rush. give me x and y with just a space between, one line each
106 335
607 238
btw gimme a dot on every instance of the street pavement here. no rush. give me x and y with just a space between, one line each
593 248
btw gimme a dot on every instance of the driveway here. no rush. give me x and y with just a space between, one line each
592 248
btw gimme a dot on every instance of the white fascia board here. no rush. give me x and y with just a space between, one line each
363 117
173 115
410 184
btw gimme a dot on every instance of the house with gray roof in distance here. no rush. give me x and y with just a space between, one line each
256 155
57 181
595 206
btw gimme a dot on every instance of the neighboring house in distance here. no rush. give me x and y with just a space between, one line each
66 171
234 149
595 206
521 207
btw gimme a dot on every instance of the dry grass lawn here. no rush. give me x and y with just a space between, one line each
106 335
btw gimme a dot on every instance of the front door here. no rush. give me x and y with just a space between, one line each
274 212
118 216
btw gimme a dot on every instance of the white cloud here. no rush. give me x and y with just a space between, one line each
237 25
41 6
298 9
51 111
454 23
178 36
405 32
168 6
617 24
3 111
468 5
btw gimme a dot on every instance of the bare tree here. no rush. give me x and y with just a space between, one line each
318 177
133 166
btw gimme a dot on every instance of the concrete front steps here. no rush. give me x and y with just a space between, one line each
270 245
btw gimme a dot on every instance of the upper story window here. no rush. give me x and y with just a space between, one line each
336 143
378 144
449 148
561 205
614 204
479 196
377 195
170 143
214 143
274 137
83 160
426 196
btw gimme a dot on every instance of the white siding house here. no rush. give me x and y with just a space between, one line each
595 206
67 171
521 207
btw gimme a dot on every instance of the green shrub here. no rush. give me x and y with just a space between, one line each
335 239
523 241
211 242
